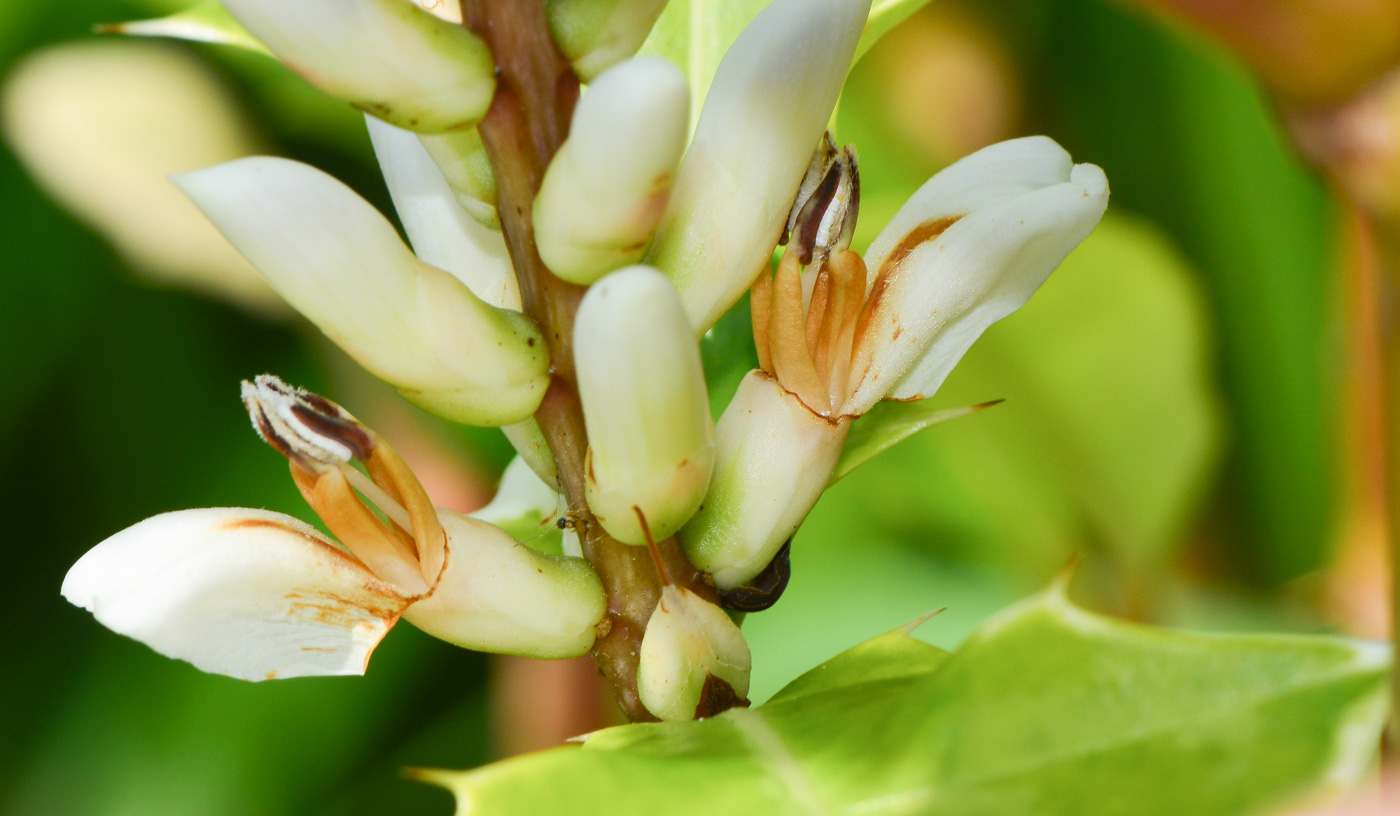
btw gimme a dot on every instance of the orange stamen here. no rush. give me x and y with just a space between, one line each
761 309
787 337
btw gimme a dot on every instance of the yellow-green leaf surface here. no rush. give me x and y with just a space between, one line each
888 424
207 22
1047 709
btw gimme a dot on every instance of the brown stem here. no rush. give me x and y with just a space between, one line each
528 120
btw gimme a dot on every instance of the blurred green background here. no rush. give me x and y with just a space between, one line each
1172 416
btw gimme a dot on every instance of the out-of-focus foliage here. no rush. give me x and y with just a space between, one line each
1169 399
1030 715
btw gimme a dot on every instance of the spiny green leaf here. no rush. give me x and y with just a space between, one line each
207 22
1047 709
888 424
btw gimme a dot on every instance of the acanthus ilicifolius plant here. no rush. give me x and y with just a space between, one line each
569 248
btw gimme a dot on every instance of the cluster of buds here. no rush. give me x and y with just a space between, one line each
667 231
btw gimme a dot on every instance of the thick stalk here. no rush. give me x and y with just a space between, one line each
528 120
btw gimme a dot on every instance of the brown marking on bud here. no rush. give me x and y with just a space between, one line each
349 433
717 697
765 589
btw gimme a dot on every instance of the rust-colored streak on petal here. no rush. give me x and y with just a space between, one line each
761 311
889 270
787 336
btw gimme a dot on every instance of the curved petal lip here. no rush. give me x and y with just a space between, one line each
247 593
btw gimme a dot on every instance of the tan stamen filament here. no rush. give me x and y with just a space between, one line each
407 551
809 350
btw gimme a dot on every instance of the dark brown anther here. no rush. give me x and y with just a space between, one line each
308 429
765 590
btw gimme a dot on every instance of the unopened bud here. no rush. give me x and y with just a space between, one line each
694 660
596 34
386 57
607 186
651 438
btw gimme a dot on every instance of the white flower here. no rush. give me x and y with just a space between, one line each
260 595
970 247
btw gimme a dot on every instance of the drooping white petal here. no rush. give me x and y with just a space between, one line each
597 34
688 640
496 595
101 124
606 188
247 593
340 263
650 435
764 117
968 249
390 58
773 459
441 231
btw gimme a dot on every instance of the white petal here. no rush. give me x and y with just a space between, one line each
496 595
387 57
441 231
607 186
101 124
774 457
247 593
687 640
650 435
340 263
1020 209
596 34
764 117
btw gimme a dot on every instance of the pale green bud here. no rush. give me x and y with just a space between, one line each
774 457
390 58
688 642
650 436
596 34
606 188
495 595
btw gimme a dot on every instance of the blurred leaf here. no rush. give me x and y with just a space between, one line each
888 424
207 22
1030 714
884 16
1188 139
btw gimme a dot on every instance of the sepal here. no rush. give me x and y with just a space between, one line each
774 457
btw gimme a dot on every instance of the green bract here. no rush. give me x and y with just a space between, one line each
1047 709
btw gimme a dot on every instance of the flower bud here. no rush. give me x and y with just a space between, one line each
773 458
390 58
462 158
651 439
690 653
597 34
608 184
765 113
340 263
496 595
